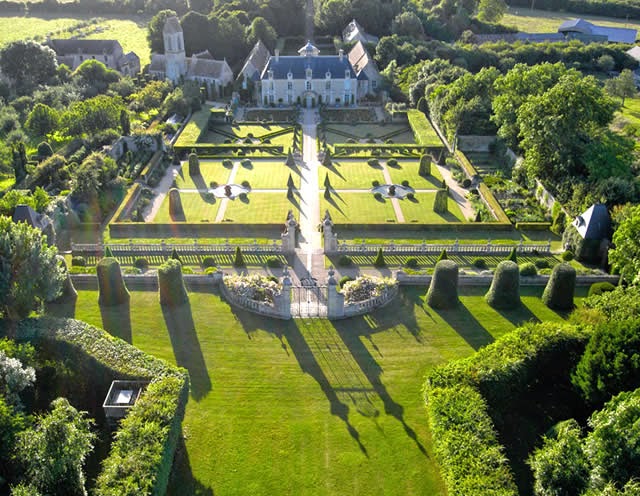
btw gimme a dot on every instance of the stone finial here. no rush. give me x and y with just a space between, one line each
327 217
331 280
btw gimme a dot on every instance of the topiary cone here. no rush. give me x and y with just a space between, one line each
504 292
443 290
111 287
558 294
171 284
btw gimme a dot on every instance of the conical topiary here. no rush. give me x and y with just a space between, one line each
238 258
379 261
290 160
424 169
175 256
513 257
194 164
558 294
171 287
326 161
441 202
327 193
107 252
443 256
504 292
111 288
443 290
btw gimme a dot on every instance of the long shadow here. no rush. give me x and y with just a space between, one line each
372 370
182 480
466 325
333 203
293 200
335 170
186 347
199 183
116 320
518 316
309 365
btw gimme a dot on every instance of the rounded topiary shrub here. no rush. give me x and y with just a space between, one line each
425 166
44 150
597 288
504 292
345 261
274 262
208 262
542 263
412 263
528 269
245 184
373 162
466 182
227 163
405 183
375 183
111 288
558 294
141 263
171 285
479 263
78 261
443 291
65 304
392 162
567 256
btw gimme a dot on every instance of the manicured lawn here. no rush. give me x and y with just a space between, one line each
421 209
195 207
358 208
397 133
408 170
266 174
631 110
542 21
261 208
350 174
238 133
131 33
210 170
310 406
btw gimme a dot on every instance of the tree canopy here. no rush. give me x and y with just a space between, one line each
27 64
625 256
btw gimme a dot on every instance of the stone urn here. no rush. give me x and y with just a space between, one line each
227 190
392 190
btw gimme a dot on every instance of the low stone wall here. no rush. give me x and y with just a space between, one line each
485 280
366 306
475 143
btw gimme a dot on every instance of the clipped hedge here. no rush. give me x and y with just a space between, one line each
493 204
464 395
533 226
558 294
171 284
141 456
112 290
443 290
423 131
504 292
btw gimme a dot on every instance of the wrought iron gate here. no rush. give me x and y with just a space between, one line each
309 301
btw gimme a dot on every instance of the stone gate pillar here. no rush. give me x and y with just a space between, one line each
330 238
289 236
335 300
285 297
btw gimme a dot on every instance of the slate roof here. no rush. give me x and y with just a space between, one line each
614 35
594 223
359 59
354 30
206 68
172 25
24 213
634 52
73 47
258 57
298 65
158 62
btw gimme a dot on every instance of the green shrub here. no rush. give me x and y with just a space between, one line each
246 163
327 181
344 280
78 261
528 269
373 162
208 262
171 285
567 256
108 253
379 261
326 161
238 258
542 263
424 169
479 263
175 255
290 160
65 304
405 183
513 256
504 292
443 255
194 165
597 288
274 262
213 184
245 184
466 182
111 287
558 294
441 202
44 150
377 195
392 162
141 263
327 194
345 261
227 163
411 262
375 183
443 291
559 219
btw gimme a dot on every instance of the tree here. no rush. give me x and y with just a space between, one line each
93 115
125 122
491 10
42 120
54 450
408 24
14 378
27 64
194 24
260 29
154 30
625 257
238 258
202 6
560 465
333 15
95 74
379 261
623 86
19 163
29 270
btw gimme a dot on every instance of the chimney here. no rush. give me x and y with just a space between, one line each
341 54
277 55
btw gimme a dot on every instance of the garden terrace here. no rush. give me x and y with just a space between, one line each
350 115
423 131
251 375
271 115
366 133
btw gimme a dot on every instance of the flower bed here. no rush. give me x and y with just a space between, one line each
518 203
254 287
366 287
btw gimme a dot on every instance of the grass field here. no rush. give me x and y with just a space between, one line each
542 21
350 174
266 174
310 407
631 110
210 170
358 208
397 133
238 133
421 209
195 207
131 33
261 208
408 170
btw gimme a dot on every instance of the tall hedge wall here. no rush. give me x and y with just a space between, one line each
140 459
464 396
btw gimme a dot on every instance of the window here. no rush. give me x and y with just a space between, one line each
309 73
308 85
328 75
374 84
270 73
105 58
347 74
289 75
327 85
289 85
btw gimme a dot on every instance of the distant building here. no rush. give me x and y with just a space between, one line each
594 223
255 63
365 68
175 65
634 52
309 79
72 53
354 32
586 31
24 213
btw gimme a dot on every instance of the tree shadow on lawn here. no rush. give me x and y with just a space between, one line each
186 347
518 316
116 320
461 320
334 168
309 365
350 331
182 480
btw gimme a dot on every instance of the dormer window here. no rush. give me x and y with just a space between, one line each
270 74
328 75
347 74
309 73
289 75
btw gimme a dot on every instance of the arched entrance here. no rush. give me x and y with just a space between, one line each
309 99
